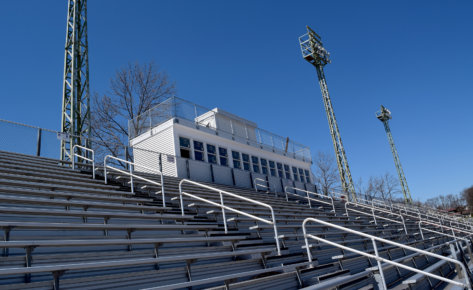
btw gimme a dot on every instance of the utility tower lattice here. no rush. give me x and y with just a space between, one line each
76 98
384 115
314 52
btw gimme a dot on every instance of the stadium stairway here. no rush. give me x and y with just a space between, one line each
63 229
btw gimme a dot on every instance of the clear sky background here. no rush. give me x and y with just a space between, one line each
414 57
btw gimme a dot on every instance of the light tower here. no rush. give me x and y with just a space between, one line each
384 115
76 99
314 52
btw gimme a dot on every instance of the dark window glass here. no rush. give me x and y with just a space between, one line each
246 161
236 155
294 172
184 142
301 174
199 155
272 168
211 154
185 145
198 146
199 151
236 159
307 176
287 171
279 165
211 149
223 153
264 166
255 161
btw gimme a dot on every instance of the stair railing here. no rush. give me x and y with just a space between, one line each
308 193
74 154
266 184
380 259
373 209
132 175
224 207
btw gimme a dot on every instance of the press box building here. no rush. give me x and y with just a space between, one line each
186 140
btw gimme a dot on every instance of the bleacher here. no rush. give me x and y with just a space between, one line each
64 229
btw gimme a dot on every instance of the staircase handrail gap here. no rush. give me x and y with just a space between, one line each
132 175
380 259
225 207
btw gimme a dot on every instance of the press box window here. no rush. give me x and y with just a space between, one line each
287 171
301 174
236 160
280 170
272 168
255 161
246 161
264 166
185 146
223 153
307 176
199 151
294 172
211 154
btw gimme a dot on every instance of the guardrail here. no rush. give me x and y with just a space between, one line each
311 193
266 185
468 234
224 207
130 173
74 154
403 222
380 259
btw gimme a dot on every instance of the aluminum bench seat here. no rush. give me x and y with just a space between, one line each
26 171
59 186
72 195
101 214
81 204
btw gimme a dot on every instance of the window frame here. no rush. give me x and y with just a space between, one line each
183 148
209 153
198 150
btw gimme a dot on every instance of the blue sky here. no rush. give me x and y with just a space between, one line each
414 57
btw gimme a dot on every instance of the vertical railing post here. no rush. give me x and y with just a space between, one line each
374 216
420 230
308 199
127 155
38 143
223 213
131 179
309 254
380 268
93 164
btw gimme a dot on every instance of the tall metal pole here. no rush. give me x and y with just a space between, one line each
314 52
384 115
76 98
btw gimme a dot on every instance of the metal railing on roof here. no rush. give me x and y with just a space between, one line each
380 259
132 175
224 207
174 107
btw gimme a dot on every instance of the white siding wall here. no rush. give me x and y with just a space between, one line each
160 139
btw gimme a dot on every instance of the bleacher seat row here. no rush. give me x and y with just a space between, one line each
64 229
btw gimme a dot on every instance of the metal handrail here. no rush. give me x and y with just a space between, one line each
443 226
268 188
403 222
83 157
224 207
312 193
380 259
130 173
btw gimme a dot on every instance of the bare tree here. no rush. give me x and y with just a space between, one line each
468 197
326 173
135 89
384 187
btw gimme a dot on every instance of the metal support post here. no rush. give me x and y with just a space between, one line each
38 143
